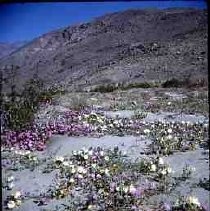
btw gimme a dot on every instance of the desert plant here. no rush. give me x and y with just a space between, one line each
20 109
112 87
105 88
172 83
204 183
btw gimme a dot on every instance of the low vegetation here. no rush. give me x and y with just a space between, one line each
19 109
122 86
170 83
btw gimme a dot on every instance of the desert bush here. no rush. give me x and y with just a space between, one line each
20 108
113 87
138 85
105 88
172 83
188 82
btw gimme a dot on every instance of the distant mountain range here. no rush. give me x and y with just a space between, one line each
8 48
128 46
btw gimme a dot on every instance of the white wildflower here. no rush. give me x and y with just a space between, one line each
10 179
73 170
125 189
65 163
163 172
160 161
169 130
74 152
90 207
153 168
72 180
85 157
98 176
107 172
115 122
27 152
11 204
169 170
17 152
80 169
59 158
106 158
117 188
146 131
102 153
193 200
17 194
131 121
21 153
111 125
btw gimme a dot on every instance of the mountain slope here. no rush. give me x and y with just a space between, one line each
8 48
134 45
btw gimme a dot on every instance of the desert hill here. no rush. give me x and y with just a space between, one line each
128 46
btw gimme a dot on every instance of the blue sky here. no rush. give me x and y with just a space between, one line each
26 21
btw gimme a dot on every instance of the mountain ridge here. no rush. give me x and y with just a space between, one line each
7 48
95 52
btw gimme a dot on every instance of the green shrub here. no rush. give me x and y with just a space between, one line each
20 108
138 85
172 83
189 82
143 85
20 115
113 87
105 88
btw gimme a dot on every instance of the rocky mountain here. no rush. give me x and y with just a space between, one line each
128 46
8 48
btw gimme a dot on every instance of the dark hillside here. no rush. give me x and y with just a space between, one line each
129 46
